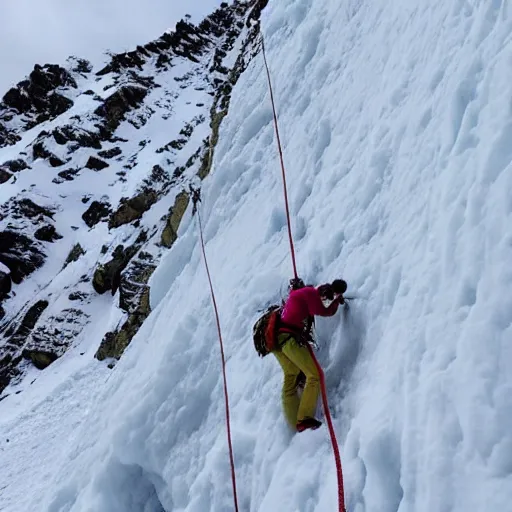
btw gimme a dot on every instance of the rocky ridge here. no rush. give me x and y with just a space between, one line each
95 170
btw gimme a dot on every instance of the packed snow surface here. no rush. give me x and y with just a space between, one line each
396 123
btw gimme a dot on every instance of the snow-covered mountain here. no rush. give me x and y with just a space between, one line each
396 127
96 167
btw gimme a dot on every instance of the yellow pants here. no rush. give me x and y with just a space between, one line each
294 358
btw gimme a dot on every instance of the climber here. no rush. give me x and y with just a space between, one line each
292 353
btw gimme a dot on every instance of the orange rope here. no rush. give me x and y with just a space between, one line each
228 423
337 458
279 148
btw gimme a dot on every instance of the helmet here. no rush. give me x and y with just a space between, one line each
296 283
339 286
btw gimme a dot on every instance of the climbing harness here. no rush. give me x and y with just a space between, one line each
196 198
337 459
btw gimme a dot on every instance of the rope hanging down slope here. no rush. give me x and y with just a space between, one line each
337 458
196 199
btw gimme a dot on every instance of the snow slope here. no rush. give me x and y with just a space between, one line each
397 132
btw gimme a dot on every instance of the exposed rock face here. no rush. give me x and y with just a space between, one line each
40 358
39 151
110 153
96 212
170 232
47 233
122 101
74 254
37 98
95 164
107 276
7 137
132 209
133 289
27 208
5 284
134 299
49 340
136 89
38 93
4 175
82 138
67 175
20 254
15 165
28 323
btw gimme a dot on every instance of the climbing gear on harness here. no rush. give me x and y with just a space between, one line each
266 330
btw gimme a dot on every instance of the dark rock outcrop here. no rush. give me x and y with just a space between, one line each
47 233
27 208
118 104
28 323
37 98
81 137
96 212
96 164
110 153
20 254
38 91
114 343
74 254
15 165
39 151
7 138
77 296
67 175
134 299
5 284
132 209
4 175
133 289
108 276
40 358
170 232
82 66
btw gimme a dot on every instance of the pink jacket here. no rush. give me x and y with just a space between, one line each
302 304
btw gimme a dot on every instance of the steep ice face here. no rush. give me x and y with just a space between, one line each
395 127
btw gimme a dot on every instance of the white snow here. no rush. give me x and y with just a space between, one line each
397 134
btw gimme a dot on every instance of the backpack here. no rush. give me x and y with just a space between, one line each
265 330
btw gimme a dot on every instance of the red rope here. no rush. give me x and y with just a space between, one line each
292 249
337 458
228 423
